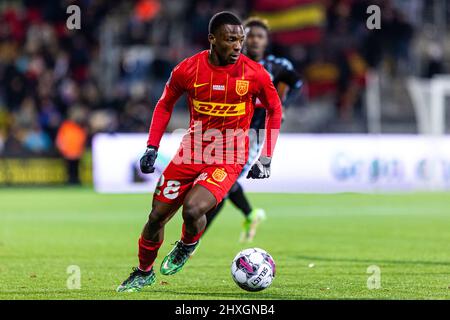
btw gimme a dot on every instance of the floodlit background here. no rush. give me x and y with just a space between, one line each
108 75
372 117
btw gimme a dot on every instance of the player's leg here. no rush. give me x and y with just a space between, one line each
238 198
149 243
212 214
252 216
172 186
152 235
197 203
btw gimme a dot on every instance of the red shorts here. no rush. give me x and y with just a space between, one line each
177 179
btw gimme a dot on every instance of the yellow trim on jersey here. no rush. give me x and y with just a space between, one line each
212 182
225 100
219 109
196 76
200 84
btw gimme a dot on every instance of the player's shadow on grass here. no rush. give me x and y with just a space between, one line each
374 261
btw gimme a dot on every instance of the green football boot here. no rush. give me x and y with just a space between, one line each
137 280
251 224
177 257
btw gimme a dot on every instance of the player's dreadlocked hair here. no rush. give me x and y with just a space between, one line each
256 22
221 18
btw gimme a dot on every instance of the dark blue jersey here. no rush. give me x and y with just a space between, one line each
280 70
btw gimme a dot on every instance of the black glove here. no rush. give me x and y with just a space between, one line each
148 160
261 169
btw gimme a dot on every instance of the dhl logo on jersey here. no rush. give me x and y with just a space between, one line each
219 109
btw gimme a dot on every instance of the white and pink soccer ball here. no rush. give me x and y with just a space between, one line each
253 269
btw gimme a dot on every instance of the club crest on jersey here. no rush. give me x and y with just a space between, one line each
219 174
241 87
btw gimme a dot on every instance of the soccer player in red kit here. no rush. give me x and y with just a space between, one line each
287 81
222 86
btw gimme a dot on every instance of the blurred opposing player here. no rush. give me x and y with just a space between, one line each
286 81
222 86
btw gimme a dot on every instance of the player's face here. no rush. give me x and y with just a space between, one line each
228 42
256 41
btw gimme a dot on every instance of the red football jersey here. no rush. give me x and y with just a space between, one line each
221 103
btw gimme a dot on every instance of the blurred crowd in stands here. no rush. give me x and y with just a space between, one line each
58 87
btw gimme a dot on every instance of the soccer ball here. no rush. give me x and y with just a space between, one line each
253 269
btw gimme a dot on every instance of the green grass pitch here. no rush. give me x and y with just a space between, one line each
43 231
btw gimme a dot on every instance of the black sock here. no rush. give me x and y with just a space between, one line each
238 198
213 213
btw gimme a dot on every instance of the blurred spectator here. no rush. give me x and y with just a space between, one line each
117 64
71 142
36 140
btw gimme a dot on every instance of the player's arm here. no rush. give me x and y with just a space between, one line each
272 103
161 116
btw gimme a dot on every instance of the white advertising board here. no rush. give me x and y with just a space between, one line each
301 163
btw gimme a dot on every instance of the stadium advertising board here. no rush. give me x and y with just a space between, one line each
40 171
301 163
31 171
